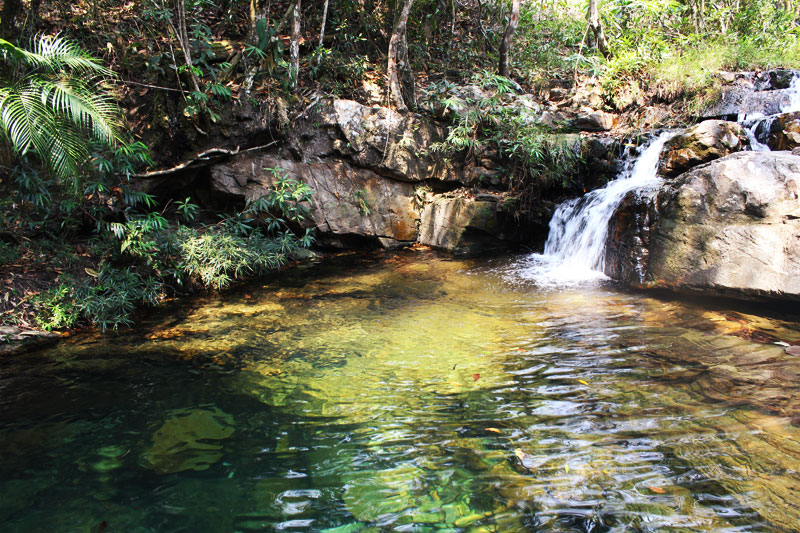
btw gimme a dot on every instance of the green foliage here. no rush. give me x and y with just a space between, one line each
539 157
202 102
57 307
114 296
8 253
548 41
251 242
53 102
218 255
362 202
677 51
107 300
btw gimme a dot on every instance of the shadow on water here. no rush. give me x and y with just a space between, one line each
409 392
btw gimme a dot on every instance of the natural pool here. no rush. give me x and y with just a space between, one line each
409 392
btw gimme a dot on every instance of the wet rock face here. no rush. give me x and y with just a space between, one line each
749 93
781 132
602 158
467 225
699 144
366 165
628 241
731 227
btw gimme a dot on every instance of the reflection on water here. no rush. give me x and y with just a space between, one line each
409 393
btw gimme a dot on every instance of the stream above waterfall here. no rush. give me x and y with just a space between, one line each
409 392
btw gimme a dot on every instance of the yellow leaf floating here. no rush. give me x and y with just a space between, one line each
519 453
566 469
583 382
493 430
657 490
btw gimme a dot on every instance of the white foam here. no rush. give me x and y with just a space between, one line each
575 249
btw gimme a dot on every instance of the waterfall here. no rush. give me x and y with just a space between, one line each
575 248
753 121
794 95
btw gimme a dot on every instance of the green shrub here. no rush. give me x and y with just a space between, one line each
8 253
57 307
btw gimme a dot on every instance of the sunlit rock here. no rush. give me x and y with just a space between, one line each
699 144
467 225
593 120
731 228
781 132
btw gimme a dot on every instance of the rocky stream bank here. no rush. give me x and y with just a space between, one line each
726 219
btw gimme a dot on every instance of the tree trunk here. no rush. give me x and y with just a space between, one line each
597 29
294 47
8 29
183 40
505 47
322 31
256 13
395 45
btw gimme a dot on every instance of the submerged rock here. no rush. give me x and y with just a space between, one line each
699 144
186 441
730 227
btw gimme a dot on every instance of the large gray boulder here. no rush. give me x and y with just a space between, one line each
389 143
347 201
466 224
730 227
699 144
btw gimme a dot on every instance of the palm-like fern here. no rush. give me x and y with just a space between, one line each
52 102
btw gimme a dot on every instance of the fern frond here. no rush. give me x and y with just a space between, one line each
54 53
14 120
57 104
90 111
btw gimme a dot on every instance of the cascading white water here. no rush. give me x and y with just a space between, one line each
575 247
749 127
794 96
753 121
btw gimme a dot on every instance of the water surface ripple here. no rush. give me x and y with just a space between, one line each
409 392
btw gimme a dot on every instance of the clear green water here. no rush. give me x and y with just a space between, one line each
409 392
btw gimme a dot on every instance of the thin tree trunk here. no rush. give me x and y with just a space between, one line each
597 29
253 70
322 31
34 17
395 44
183 41
294 47
256 14
505 47
453 21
